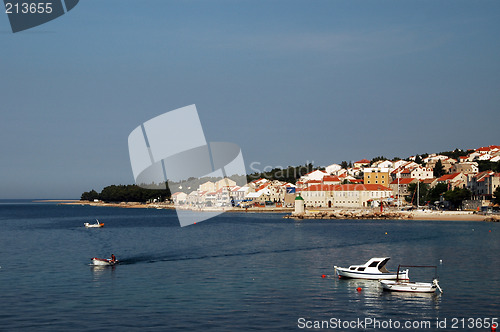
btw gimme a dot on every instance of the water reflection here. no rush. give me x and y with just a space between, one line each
371 298
415 299
100 273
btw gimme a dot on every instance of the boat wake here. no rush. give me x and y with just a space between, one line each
172 257
184 257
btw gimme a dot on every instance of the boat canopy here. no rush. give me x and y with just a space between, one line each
376 262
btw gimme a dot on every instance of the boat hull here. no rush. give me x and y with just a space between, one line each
412 287
103 262
346 273
87 225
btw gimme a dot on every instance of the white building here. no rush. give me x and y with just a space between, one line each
333 168
314 175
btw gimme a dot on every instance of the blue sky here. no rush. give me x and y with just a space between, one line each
288 81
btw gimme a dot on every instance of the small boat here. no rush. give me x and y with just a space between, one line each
373 269
415 287
96 225
103 261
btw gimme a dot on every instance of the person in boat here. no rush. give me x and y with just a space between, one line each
113 258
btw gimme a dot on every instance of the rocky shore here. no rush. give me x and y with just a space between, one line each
492 218
348 214
401 215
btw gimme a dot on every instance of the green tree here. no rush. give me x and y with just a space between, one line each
344 164
89 195
435 192
456 196
418 160
496 196
455 154
438 169
486 165
422 189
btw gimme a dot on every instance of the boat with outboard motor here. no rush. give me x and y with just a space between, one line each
373 269
103 261
415 287
96 225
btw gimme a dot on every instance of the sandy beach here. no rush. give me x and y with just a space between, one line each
446 215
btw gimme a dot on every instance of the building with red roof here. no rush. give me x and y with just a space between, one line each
484 184
344 195
362 163
454 180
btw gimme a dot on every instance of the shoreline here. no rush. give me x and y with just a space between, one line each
317 213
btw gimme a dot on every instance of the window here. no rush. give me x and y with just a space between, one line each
374 264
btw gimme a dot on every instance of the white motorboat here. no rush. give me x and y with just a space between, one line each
103 261
373 269
415 287
97 224
406 286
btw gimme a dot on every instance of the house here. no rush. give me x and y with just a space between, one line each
484 184
223 196
314 175
454 180
361 163
413 171
354 171
179 197
194 197
345 195
331 179
434 158
257 197
447 163
209 198
240 193
486 153
403 163
377 176
277 191
333 168
225 182
207 186
430 182
465 167
383 164
401 186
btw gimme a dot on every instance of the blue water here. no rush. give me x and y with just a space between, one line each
236 272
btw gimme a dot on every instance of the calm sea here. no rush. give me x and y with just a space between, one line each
235 272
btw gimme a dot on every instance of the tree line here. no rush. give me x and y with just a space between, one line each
126 193
429 196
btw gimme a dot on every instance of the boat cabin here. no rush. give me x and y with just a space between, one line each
377 262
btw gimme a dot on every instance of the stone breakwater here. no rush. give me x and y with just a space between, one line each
345 214
492 218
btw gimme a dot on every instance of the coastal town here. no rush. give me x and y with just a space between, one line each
364 184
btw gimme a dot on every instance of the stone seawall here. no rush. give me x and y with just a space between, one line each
346 214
